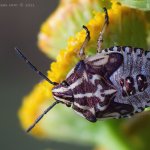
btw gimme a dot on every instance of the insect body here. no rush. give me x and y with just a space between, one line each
110 84
114 83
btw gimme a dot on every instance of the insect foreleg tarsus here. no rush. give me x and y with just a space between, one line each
81 52
100 38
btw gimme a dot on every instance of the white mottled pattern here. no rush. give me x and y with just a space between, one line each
62 100
138 51
72 86
98 59
127 49
63 90
95 57
80 114
85 76
60 90
148 55
94 78
97 94
101 61
108 92
101 108
112 115
81 106
70 73
75 84
92 110
85 108
115 48
83 95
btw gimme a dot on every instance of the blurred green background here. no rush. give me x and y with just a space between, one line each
19 26
20 22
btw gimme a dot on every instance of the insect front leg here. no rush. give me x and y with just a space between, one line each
100 38
81 52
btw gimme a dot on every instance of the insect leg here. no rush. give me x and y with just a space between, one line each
100 38
81 52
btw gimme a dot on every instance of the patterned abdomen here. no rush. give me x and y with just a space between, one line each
132 78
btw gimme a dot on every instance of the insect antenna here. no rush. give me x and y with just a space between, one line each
33 67
41 116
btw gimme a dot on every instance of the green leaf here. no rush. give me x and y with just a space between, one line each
138 4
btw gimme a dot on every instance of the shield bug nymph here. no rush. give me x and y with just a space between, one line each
114 83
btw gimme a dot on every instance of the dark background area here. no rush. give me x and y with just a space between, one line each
19 26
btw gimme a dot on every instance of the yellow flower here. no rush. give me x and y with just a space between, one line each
41 96
64 22
64 62
31 106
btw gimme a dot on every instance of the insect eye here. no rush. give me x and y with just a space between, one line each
64 83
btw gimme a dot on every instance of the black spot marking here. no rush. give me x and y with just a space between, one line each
118 48
148 101
141 108
131 114
122 82
146 52
141 82
111 48
127 86
106 50
64 83
129 83
139 51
